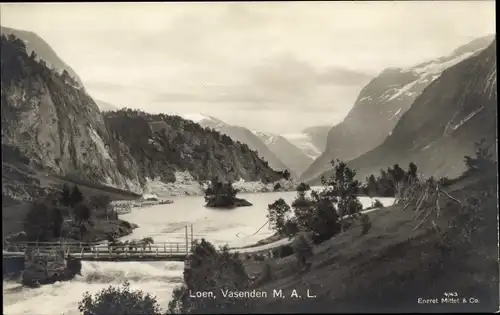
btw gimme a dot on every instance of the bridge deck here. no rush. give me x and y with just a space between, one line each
92 252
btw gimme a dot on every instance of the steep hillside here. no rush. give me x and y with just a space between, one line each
51 122
42 49
240 134
51 126
162 145
294 158
312 140
445 121
381 104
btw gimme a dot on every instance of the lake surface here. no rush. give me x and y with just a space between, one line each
235 227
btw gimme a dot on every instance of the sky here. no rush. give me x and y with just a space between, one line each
269 66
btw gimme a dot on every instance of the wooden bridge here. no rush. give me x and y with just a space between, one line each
167 251
119 251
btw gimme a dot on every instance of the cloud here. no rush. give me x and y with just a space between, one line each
280 82
306 61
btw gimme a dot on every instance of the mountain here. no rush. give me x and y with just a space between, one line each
312 140
242 135
52 127
294 158
381 104
450 115
105 106
42 49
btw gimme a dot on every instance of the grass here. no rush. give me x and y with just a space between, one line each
394 264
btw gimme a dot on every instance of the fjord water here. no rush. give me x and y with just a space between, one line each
163 223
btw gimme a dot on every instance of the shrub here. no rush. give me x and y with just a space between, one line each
378 204
277 214
291 228
277 187
365 224
119 300
267 274
210 271
303 250
259 257
303 187
285 250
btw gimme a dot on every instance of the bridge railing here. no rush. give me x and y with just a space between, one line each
167 249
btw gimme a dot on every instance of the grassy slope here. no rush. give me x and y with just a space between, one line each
392 266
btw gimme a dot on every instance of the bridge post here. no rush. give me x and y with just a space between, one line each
192 235
187 241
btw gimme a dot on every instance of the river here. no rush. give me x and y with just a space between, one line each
163 223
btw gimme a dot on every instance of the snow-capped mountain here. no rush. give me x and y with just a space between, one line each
444 122
381 104
242 135
293 157
312 140
303 142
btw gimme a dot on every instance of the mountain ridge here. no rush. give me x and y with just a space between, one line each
380 105
43 50
241 134
463 103
49 125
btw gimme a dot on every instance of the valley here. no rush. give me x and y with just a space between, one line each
345 168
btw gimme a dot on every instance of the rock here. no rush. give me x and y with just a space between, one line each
242 203
48 267
238 202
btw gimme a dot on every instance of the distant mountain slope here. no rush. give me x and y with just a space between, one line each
105 106
52 126
441 127
240 134
312 140
381 104
42 49
293 157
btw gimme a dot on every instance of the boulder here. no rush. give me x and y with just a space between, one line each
48 267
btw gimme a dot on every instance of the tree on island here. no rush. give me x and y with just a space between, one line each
223 195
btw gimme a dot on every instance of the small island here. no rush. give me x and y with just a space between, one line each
223 195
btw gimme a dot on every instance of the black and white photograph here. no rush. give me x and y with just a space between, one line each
249 157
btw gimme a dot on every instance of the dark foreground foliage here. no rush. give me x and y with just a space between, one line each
210 270
119 300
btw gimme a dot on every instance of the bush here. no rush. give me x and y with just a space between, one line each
285 250
365 224
277 214
210 270
116 300
378 204
303 250
259 257
303 187
291 228
277 187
